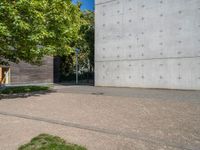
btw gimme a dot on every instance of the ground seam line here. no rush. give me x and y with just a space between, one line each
153 140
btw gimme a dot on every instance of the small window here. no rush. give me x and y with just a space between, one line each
4 75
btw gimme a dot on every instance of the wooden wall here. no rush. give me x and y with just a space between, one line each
24 73
1 75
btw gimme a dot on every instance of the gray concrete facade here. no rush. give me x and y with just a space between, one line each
148 43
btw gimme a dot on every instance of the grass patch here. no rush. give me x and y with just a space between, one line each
49 142
23 89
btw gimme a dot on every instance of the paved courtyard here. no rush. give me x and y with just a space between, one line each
105 118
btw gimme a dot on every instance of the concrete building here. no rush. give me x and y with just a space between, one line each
148 43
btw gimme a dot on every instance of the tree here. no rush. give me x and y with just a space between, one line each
86 42
31 29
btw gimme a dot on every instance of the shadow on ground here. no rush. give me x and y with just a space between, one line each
80 83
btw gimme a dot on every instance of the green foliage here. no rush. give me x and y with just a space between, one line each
23 89
86 43
49 142
31 29
67 65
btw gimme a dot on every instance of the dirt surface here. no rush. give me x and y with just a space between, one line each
105 118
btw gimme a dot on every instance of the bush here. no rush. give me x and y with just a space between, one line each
23 89
49 142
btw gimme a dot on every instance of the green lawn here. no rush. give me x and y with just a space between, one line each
49 142
23 89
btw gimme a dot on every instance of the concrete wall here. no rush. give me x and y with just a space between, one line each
148 43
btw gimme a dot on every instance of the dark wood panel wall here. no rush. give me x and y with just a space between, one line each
57 70
24 73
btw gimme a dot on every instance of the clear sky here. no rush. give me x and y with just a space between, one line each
86 4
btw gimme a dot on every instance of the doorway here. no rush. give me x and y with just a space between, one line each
4 75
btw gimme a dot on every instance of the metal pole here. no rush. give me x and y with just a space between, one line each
76 66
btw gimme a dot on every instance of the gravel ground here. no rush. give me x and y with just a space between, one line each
105 118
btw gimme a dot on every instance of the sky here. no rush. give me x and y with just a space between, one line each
86 4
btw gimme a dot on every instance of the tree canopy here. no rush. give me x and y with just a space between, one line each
31 29
87 43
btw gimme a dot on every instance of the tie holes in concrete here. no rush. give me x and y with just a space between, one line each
179 53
